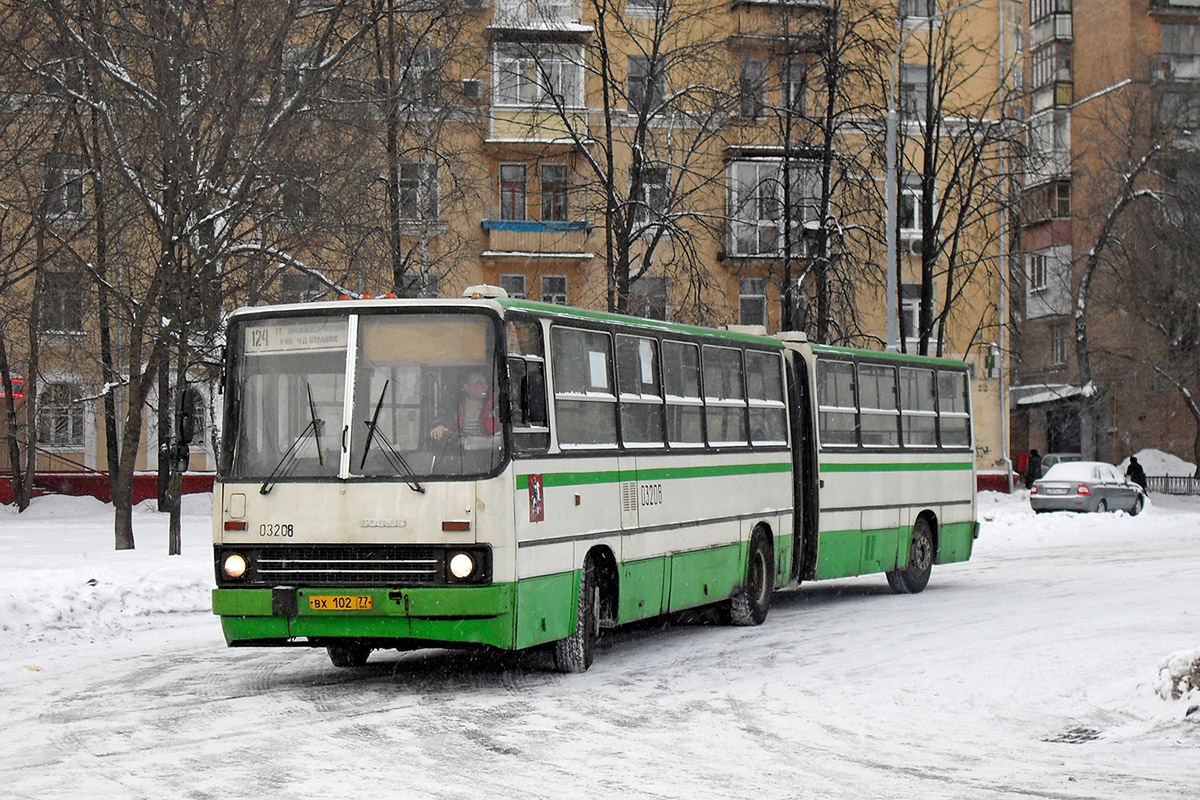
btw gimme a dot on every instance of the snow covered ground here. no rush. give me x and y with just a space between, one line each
1028 671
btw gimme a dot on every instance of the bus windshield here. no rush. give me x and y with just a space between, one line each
423 403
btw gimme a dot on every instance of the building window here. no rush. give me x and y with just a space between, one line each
918 8
1058 345
514 285
645 8
1058 199
418 191
538 74
793 83
64 187
300 287
294 68
648 297
910 314
60 415
914 90
908 209
555 192
756 201
1051 62
752 301
300 195
554 289
1040 9
752 88
1181 38
647 85
60 309
422 84
650 196
1037 271
512 191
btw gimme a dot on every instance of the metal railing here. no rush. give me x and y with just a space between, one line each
1170 484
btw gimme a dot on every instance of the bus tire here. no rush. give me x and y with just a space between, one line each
348 655
750 603
915 577
575 652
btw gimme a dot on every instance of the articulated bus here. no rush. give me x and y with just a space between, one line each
508 473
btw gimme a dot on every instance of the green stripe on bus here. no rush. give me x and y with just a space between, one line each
924 466
656 474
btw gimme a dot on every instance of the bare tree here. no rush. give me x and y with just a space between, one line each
963 167
191 100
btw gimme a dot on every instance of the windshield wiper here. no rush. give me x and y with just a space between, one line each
394 458
288 459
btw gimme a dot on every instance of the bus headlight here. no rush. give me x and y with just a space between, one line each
461 566
234 566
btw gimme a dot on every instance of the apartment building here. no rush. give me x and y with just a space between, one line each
1113 87
683 160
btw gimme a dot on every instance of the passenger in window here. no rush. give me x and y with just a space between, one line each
476 410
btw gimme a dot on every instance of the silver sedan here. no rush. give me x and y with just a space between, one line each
1086 486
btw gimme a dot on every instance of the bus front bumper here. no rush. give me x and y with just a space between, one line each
387 617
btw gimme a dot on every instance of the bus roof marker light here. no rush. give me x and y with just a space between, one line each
482 290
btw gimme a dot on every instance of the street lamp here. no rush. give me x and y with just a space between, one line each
889 187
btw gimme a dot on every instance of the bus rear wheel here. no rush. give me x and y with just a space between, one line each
751 603
915 577
348 655
575 652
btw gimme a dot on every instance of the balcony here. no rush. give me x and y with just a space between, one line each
762 21
1176 67
1055 26
538 16
537 125
529 238
1057 94
1186 6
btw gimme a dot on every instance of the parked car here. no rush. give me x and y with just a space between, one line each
1085 486
1050 459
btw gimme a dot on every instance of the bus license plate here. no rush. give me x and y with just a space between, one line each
340 602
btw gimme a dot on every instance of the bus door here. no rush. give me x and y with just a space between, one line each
804 467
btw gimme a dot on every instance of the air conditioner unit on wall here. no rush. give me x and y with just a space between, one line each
914 247
472 89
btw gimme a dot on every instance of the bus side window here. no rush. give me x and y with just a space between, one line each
954 420
838 411
527 386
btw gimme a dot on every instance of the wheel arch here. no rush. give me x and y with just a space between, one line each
931 520
608 579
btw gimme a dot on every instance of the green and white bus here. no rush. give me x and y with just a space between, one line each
501 472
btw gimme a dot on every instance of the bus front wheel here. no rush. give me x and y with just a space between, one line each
915 577
751 603
348 655
575 653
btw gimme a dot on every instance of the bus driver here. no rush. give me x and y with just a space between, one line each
476 410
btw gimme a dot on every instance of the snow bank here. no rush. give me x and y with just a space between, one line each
1179 676
61 580
1156 462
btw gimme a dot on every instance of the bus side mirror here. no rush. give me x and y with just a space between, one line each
533 398
187 417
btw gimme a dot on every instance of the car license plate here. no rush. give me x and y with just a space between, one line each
340 602
1054 490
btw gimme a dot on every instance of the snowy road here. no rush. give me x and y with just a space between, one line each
1027 672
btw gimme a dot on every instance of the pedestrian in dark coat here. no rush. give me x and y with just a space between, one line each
1034 470
1135 473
